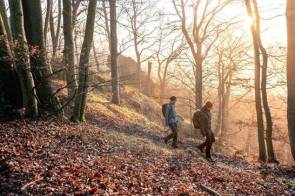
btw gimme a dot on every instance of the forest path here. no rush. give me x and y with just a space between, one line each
121 153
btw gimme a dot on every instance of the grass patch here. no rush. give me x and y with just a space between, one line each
136 143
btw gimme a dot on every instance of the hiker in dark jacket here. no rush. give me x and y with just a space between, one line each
205 126
171 121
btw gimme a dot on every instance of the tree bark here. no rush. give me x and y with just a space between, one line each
48 102
10 91
199 78
46 22
55 34
5 20
80 99
69 51
259 114
114 53
22 63
149 79
267 112
291 73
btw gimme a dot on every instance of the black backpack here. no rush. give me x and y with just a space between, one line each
196 119
164 109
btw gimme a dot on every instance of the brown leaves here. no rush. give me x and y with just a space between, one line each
45 157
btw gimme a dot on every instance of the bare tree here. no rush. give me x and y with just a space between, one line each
46 21
204 33
291 73
258 102
5 20
140 28
22 61
48 102
165 55
114 53
270 149
230 53
69 53
80 100
55 31
10 91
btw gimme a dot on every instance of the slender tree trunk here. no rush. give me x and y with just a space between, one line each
5 20
22 58
199 79
226 104
114 54
220 100
162 91
80 100
259 112
46 22
138 62
48 102
95 58
106 22
149 79
291 73
69 53
55 34
267 112
76 5
218 119
270 148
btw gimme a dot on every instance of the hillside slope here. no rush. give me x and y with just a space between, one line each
119 151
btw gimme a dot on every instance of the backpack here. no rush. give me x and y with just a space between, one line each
196 119
164 109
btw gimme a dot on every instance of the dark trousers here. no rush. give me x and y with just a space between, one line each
173 135
208 144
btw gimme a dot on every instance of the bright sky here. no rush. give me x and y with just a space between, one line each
273 23
272 13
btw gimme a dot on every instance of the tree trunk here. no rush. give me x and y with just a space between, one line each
5 20
46 22
220 99
225 118
106 22
270 149
114 54
199 79
48 102
10 91
259 114
95 58
267 112
55 34
22 58
80 100
69 51
138 62
149 80
162 91
291 73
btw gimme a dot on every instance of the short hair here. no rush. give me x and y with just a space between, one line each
208 104
173 98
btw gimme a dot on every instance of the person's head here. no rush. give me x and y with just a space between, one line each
173 99
208 105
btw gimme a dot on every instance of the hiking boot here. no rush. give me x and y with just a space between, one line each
201 149
174 146
209 159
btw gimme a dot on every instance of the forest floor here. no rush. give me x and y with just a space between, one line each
120 152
